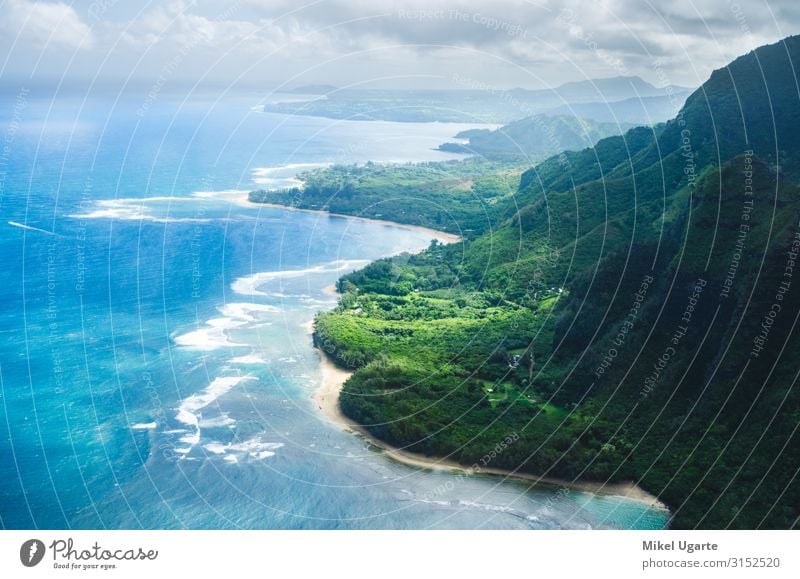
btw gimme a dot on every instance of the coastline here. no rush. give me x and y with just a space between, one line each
441 236
326 398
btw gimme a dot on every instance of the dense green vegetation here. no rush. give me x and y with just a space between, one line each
632 317
461 197
535 138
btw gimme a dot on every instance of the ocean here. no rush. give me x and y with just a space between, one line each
156 364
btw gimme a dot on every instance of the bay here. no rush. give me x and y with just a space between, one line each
156 366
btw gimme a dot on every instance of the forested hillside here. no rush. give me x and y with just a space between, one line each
631 313
534 138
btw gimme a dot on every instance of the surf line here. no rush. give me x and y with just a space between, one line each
30 228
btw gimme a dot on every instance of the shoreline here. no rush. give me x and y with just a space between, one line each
441 236
326 398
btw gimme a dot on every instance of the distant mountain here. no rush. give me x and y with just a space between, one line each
534 138
630 314
612 89
471 105
638 111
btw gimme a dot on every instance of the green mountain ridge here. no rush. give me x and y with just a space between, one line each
610 89
629 312
534 138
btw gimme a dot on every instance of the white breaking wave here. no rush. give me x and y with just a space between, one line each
254 448
235 196
244 311
218 194
133 209
275 184
249 359
210 338
225 323
217 422
213 335
140 200
283 177
29 227
143 426
288 170
215 447
189 410
249 284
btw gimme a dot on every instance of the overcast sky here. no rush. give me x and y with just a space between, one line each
414 43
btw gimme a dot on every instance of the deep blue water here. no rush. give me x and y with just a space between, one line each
155 359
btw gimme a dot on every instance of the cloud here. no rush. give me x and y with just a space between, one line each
687 38
418 42
175 23
217 32
45 24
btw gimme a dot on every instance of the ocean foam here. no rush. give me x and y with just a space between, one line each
144 426
29 227
283 177
209 338
227 323
218 387
213 336
226 195
189 409
249 359
255 449
288 169
113 213
136 200
249 284
133 209
215 447
217 422
244 311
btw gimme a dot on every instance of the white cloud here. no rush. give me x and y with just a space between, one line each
418 42
176 25
45 24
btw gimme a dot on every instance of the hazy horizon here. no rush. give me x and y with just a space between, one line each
256 45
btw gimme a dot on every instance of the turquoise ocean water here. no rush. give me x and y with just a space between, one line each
156 366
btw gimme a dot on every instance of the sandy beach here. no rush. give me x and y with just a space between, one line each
327 399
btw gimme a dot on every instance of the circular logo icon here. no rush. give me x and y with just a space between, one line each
32 552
